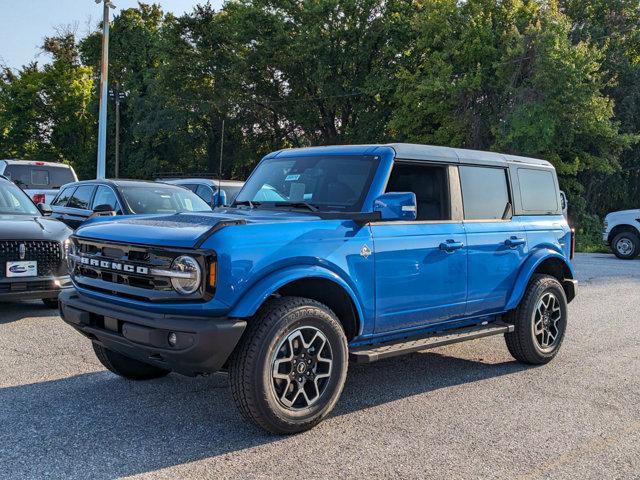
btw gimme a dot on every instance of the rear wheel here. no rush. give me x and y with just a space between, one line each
540 322
289 369
626 245
127 367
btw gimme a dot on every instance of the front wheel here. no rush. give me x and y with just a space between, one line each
540 322
289 369
626 245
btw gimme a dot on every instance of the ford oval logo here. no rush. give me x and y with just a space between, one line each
17 269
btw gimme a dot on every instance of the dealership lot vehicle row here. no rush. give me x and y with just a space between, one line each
466 410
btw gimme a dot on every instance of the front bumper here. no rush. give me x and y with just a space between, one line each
32 288
203 343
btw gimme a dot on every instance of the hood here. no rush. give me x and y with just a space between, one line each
624 213
31 227
185 230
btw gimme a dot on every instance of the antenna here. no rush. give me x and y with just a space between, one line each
220 168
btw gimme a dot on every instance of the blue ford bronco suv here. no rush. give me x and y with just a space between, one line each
329 254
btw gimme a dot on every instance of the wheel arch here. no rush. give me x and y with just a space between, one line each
315 283
623 227
545 261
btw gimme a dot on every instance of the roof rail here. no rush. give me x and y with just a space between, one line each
172 175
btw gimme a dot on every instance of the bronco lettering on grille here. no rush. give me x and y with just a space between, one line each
117 266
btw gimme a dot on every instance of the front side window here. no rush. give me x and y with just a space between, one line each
106 196
325 182
151 199
485 192
205 193
14 201
81 197
537 190
429 183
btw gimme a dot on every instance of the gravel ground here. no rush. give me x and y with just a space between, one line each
462 411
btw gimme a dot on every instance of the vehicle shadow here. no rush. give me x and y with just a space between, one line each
100 426
14 311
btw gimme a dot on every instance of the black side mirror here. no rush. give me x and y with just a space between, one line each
103 210
45 209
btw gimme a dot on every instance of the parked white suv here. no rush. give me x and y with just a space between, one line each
40 180
622 233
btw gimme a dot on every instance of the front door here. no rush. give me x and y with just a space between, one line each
420 266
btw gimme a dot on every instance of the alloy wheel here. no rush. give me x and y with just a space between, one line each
547 322
301 368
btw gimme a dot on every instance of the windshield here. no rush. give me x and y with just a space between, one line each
14 201
325 182
161 199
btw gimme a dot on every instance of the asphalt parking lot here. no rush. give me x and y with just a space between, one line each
462 411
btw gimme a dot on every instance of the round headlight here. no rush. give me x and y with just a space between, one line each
190 275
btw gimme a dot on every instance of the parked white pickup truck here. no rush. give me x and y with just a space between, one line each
40 180
622 233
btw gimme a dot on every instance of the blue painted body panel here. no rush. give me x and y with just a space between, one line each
412 282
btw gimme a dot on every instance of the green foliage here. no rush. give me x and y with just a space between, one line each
556 79
45 113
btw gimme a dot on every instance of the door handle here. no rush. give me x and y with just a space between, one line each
451 245
514 241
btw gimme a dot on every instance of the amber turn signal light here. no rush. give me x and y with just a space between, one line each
212 274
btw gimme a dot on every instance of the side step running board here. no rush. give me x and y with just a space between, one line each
370 353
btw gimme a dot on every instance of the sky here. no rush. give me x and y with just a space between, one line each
24 23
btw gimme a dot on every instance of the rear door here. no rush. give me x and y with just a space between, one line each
79 206
496 240
59 203
421 266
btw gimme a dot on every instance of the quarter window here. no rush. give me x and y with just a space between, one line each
537 191
485 192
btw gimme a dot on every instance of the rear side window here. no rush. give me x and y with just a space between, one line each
106 196
537 191
485 192
63 197
81 197
33 177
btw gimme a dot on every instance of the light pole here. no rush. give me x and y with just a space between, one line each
104 75
117 95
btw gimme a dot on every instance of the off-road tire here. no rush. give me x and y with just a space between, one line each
522 342
127 367
50 303
251 364
630 237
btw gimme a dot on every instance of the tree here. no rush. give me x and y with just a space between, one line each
45 113
504 75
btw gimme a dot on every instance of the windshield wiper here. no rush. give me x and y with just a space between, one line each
306 205
248 203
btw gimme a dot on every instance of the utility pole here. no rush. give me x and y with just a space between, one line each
104 79
117 96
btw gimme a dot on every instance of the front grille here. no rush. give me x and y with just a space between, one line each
101 267
48 254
